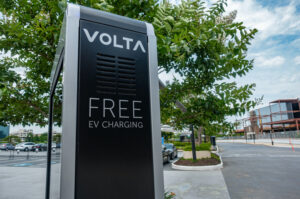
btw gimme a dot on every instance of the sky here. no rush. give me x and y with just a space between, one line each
275 49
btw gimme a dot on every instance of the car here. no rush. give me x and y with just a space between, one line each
166 155
6 146
58 145
44 146
172 150
24 146
40 147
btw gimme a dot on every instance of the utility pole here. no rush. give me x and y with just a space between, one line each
271 138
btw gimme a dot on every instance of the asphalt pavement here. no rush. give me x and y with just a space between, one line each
27 159
22 182
260 172
23 174
277 142
250 171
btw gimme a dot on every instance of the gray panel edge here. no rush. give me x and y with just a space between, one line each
155 114
58 54
69 115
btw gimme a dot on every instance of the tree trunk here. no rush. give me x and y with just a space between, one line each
199 132
193 143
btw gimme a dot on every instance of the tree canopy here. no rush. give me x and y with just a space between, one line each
206 48
12 139
29 34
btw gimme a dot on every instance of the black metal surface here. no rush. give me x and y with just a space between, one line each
213 140
115 75
58 72
48 172
113 162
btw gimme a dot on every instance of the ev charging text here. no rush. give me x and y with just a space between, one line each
121 113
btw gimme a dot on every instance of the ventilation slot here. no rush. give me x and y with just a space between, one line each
115 75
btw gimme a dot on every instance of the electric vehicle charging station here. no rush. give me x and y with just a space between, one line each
111 142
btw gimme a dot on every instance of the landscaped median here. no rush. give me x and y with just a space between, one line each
206 159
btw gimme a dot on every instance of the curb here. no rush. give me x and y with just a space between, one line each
199 168
267 144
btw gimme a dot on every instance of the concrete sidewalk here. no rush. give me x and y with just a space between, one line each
22 182
25 182
196 184
276 142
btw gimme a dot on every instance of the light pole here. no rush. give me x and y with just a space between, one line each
193 143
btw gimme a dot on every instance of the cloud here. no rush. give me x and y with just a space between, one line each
275 49
165 77
296 43
277 21
297 60
287 78
21 71
271 62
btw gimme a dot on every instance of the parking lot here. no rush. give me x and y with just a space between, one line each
27 159
257 171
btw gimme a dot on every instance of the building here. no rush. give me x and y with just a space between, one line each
22 133
280 115
4 131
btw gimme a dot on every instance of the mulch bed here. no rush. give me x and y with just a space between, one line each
201 162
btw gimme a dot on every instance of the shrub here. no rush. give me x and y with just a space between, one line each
169 195
205 146
215 156
202 147
190 159
177 144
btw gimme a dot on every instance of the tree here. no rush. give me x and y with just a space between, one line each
12 139
207 50
57 138
29 32
204 47
29 137
44 137
167 135
36 139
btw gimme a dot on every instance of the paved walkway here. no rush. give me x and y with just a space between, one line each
196 184
22 183
27 182
276 142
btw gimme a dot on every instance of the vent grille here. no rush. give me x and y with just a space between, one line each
115 75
